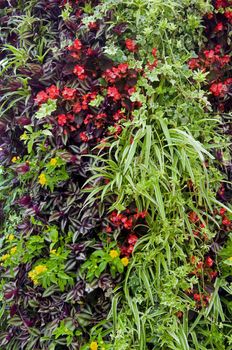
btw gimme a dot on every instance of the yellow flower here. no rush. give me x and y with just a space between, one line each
14 159
4 257
42 179
93 345
53 161
33 274
33 277
13 250
125 261
53 251
113 254
10 237
230 258
40 269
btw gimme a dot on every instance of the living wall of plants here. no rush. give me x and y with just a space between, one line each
115 175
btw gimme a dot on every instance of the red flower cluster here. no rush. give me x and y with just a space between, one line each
75 48
218 89
116 73
69 93
79 71
219 27
210 59
64 119
126 221
131 45
113 92
83 103
221 4
128 247
51 92
153 65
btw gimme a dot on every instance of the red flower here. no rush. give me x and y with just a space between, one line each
79 71
77 45
213 274
128 224
222 211
228 81
193 63
114 93
193 217
130 45
218 89
228 15
210 15
154 51
123 67
226 221
192 259
108 229
221 3
209 262
90 52
53 92
131 90
41 97
77 107
70 117
132 239
68 93
152 65
209 54
219 27
84 137
224 60
118 129
62 119
197 297
93 26
217 48
130 249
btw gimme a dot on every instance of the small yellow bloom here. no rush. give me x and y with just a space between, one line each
13 250
40 269
53 161
93 345
33 274
125 261
113 254
53 251
10 237
4 257
14 159
33 277
230 258
42 179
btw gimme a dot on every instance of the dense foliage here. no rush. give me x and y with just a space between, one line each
115 175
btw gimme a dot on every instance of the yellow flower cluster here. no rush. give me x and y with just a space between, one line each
14 159
53 161
42 179
10 237
4 257
13 250
114 254
125 261
230 258
54 252
93 345
34 274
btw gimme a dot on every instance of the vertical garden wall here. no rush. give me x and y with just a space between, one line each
115 175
